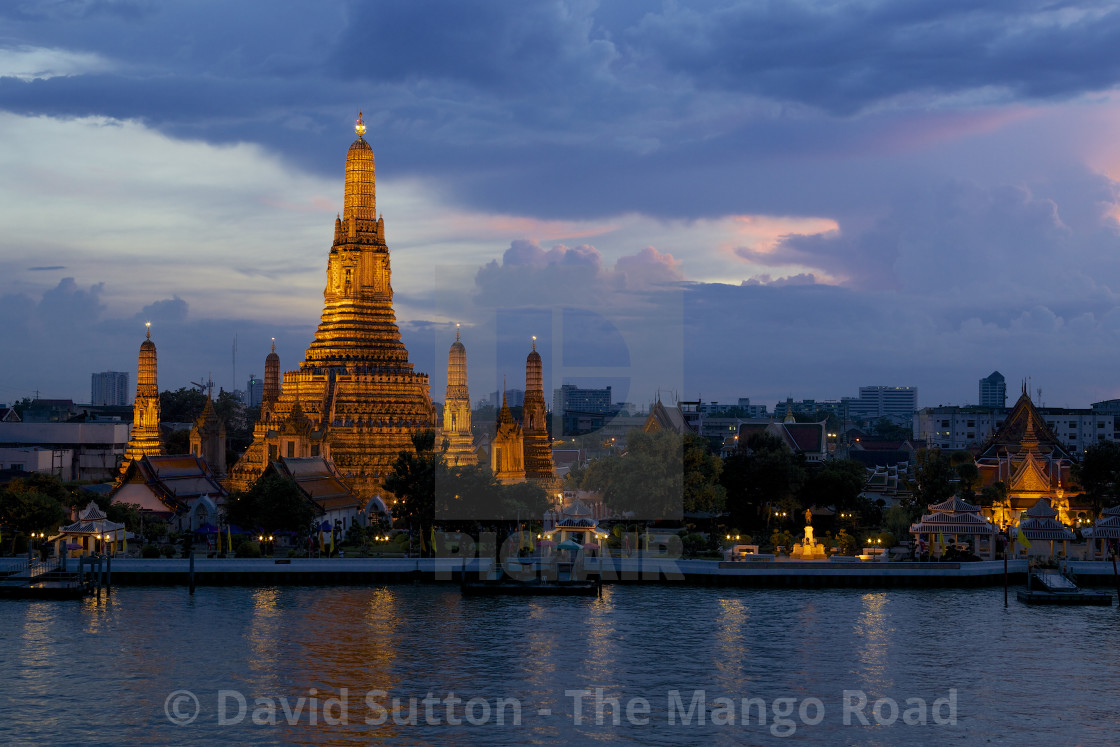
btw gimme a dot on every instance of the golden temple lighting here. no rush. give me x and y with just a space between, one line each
355 398
359 125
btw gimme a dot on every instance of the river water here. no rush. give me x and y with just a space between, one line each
157 665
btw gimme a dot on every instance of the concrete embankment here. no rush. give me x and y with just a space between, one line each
362 571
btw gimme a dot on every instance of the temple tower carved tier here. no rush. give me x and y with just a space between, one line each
538 446
144 438
271 391
457 408
355 398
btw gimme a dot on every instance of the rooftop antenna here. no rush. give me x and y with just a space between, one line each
234 361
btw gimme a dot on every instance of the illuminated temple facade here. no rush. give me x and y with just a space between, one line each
355 398
143 439
1026 456
457 408
522 452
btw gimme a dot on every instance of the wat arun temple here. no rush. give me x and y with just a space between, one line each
355 398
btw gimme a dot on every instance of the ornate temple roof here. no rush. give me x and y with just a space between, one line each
1024 427
953 506
1040 522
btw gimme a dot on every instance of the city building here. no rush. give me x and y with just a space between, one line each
898 403
96 447
993 391
581 410
355 398
58 462
109 388
956 428
572 397
512 397
254 391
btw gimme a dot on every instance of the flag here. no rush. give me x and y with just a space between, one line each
332 543
124 547
433 538
322 543
941 541
1021 538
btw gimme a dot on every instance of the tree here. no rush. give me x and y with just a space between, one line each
181 406
933 478
760 479
703 493
647 481
836 483
30 511
413 482
273 503
1098 474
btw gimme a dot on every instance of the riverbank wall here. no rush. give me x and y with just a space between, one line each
365 571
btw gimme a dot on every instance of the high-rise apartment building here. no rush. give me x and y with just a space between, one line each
109 388
993 390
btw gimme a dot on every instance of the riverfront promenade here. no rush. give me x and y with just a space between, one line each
356 571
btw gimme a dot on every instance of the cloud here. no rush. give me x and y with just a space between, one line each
845 57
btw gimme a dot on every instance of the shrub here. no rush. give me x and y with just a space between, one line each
294 553
248 549
847 544
167 550
149 551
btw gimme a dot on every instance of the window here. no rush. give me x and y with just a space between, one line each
315 450
272 452
291 449
972 424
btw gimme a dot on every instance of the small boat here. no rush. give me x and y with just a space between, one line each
536 577
1055 588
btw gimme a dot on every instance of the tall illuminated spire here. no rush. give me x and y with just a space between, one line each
143 440
457 407
356 399
538 446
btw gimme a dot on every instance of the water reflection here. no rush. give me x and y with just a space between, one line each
873 631
62 661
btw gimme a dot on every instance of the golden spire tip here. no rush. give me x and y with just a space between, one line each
360 125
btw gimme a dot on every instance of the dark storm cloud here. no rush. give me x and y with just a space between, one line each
571 94
842 57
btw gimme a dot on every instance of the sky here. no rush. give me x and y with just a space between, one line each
693 199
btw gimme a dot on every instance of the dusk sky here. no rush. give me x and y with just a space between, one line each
714 199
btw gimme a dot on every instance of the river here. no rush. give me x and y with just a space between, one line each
644 664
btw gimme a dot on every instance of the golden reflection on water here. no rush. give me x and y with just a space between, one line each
264 634
873 631
731 646
347 640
